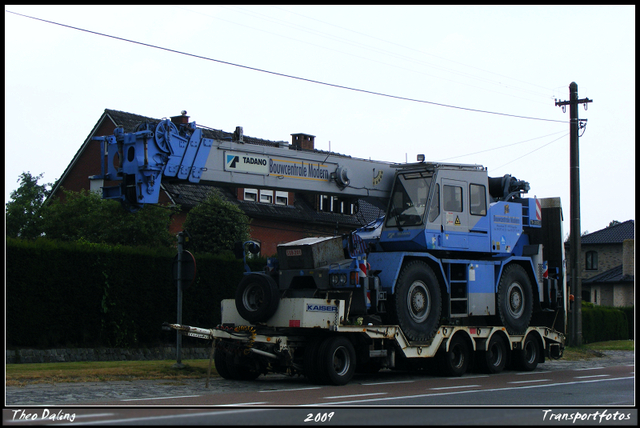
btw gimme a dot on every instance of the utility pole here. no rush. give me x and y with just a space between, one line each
178 363
574 240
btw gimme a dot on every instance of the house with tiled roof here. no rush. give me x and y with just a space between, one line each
276 216
607 264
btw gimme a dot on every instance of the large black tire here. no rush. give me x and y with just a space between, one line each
337 360
416 302
310 365
515 299
257 297
455 361
527 358
240 367
220 361
494 359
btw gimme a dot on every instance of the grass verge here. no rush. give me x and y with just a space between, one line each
97 371
592 350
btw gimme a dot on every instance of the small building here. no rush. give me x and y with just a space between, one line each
607 264
276 217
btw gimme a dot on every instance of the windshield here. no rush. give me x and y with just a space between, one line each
409 199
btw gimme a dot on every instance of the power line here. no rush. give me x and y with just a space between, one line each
421 52
333 85
359 56
501 147
535 150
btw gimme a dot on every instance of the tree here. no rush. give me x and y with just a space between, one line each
22 213
215 225
86 216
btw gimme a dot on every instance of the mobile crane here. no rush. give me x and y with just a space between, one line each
461 268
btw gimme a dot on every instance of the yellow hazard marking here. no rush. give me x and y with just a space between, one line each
378 178
457 222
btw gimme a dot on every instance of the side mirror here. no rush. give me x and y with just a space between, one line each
253 247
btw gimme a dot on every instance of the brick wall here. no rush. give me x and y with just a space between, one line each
609 256
628 259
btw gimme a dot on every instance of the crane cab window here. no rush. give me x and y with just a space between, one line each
477 199
409 199
452 198
434 208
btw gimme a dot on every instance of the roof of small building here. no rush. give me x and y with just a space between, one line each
611 235
611 276
189 195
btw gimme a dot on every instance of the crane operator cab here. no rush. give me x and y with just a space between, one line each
438 207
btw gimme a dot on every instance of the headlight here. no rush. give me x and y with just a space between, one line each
338 279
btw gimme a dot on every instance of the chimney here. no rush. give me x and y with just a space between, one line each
183 119
627 257
238 134
303 141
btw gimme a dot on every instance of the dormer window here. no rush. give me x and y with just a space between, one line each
266 196
251 195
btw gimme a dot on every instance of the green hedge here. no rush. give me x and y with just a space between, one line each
630 313
602 323
87 295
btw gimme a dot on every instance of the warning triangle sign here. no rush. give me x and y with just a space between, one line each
457 223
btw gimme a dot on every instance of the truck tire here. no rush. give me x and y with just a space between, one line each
417 303
527 358
310 364
257 297
455 361
337 360
494 359
515 299
220 361
240 367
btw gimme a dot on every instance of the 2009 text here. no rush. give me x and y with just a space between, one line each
319 417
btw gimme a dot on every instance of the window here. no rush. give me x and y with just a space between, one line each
434 209
591 260
266 196
325 203
282 198
96 185
452 198
477 199
333 204
251 195
409 199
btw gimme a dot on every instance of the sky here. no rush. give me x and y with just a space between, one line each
461 84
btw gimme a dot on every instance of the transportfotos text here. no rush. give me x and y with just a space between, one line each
598 416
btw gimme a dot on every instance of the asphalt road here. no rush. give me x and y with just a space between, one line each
603 384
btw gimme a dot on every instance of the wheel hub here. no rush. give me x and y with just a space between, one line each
516 301
419 301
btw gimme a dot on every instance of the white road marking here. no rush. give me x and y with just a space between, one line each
293 389
387 383
355 395
160 398
530 381
454 387
588 368
470 391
